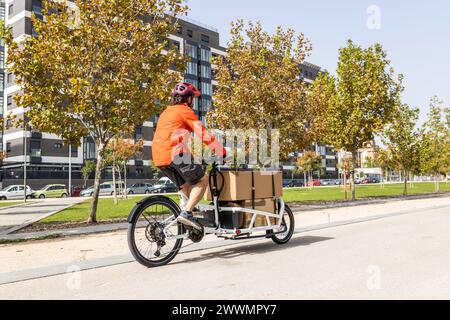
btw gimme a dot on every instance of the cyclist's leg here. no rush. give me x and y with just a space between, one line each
195 177
197 192
185 192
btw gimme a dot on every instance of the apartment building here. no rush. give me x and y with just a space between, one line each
46 155
2 70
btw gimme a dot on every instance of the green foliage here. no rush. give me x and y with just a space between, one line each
435 140
350 108
259 86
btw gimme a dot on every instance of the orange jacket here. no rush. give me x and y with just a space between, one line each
172 132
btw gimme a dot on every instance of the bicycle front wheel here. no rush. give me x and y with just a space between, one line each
147 233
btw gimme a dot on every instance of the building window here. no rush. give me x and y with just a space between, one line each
9 78
206 72
11 9
9 100
90 151
206 105
206 55
35 149
192 68
180 30
205 38
37 7
190 33
206 89
191 51
194 82
138 134
58 145
8 147
2 63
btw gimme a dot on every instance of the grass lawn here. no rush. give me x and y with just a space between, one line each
9 204
108 211
306 195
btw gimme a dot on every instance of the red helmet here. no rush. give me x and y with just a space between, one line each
185 89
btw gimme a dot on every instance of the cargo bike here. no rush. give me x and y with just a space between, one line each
155 236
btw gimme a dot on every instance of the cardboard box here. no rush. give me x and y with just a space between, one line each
265 205
238 185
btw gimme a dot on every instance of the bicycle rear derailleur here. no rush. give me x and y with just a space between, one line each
155 233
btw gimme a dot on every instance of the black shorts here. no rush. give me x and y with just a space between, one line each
180 174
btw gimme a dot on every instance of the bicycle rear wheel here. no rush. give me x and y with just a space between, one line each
286 231
146 238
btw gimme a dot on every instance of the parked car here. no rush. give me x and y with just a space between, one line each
106 189
297 184
166 188
370 180
314 183
51 191
15 192
76 191
327 182
286 184
140 188
293 183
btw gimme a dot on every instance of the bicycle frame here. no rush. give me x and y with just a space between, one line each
231 233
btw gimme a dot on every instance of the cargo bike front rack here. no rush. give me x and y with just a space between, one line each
163 231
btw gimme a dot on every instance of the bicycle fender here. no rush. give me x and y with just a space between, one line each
144 202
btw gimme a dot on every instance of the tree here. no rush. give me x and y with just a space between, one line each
403 141
126 150
100 69
309 162
358 102
384 160
259 87
346 167
370 162
86 170
435 141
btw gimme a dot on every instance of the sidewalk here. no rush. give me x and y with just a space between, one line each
19 216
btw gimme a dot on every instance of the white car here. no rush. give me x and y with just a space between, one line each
106 189
15 192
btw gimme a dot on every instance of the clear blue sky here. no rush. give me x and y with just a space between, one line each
416 34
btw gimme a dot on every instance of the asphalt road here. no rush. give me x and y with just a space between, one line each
403 254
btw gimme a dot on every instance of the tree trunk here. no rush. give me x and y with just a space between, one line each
345 186
98 173
405 188
353 176
116 202
120 181
438 186
125 178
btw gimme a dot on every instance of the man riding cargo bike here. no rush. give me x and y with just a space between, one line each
238 209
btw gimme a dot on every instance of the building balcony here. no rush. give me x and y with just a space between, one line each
36 135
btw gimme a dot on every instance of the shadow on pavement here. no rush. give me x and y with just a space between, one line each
252 249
